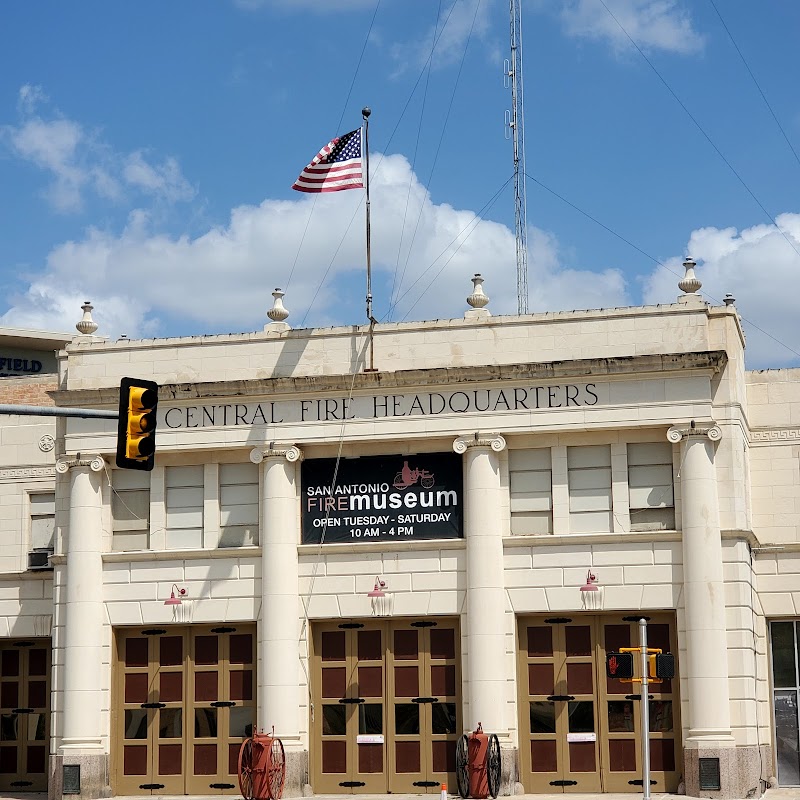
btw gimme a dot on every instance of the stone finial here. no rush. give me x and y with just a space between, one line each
690 283
478 299
729 299
87 326
277 313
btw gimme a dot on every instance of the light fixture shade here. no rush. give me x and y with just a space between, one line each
591 593
173 600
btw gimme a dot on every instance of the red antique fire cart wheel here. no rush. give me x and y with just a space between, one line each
462 766
246 770
276 771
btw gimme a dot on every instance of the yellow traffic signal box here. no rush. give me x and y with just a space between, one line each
136 437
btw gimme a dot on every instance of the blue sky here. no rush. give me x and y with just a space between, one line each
147 152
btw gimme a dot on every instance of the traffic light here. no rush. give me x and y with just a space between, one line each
136 437
619 665
661 665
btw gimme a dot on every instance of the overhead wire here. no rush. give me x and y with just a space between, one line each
374 171
338 128
438 150
701 129
473 224
652 258
757 85
414 158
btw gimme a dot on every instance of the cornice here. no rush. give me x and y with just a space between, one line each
711 361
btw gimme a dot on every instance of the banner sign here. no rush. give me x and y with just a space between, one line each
382 498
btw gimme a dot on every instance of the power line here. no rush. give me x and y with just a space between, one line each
652 258
750 73
701 129
438 150
338 128
473 224
414 159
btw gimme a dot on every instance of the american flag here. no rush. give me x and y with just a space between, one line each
336 167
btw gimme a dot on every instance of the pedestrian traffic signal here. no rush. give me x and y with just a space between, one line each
661 665
136 437
619 665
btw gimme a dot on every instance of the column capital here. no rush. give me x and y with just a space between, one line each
65 463
290 452
491 440
679 432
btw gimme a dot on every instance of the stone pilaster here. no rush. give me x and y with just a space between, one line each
705 665
278 681
83 619
485 617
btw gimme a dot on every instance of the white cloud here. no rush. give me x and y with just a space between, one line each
450 32
164 180
79 163
760 268
222 280
652 24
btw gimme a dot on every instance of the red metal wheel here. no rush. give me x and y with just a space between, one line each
276 774
246 769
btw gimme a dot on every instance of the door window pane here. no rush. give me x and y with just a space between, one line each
443 717
170 723
786 745
783 658
205 723
660 716
543 716
620 716
241 721
334 720
370 718
135 723
581 716
406 718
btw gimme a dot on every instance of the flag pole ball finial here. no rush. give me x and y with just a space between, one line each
366 111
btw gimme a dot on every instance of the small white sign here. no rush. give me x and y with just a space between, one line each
581 737
369 738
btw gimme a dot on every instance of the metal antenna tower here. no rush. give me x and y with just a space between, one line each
515 130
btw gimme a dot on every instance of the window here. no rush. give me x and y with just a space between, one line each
130 509
184 504
43 520
589 470
238 505
531 485
652 503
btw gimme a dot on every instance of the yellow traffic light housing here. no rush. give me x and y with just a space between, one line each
136 437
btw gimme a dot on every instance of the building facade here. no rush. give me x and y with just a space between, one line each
380 541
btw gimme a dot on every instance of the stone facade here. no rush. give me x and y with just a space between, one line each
715 544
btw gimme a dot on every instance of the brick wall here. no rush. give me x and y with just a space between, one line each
28 391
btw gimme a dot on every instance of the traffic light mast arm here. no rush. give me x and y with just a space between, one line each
50 411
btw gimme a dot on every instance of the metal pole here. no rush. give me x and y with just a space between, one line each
645 711
365 112
51 411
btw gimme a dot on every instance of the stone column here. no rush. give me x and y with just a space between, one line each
83 636
278 691
486 606
705 666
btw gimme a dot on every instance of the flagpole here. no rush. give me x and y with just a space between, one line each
365 112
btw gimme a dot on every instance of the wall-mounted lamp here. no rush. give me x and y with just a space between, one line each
591 593
378 598
173 600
